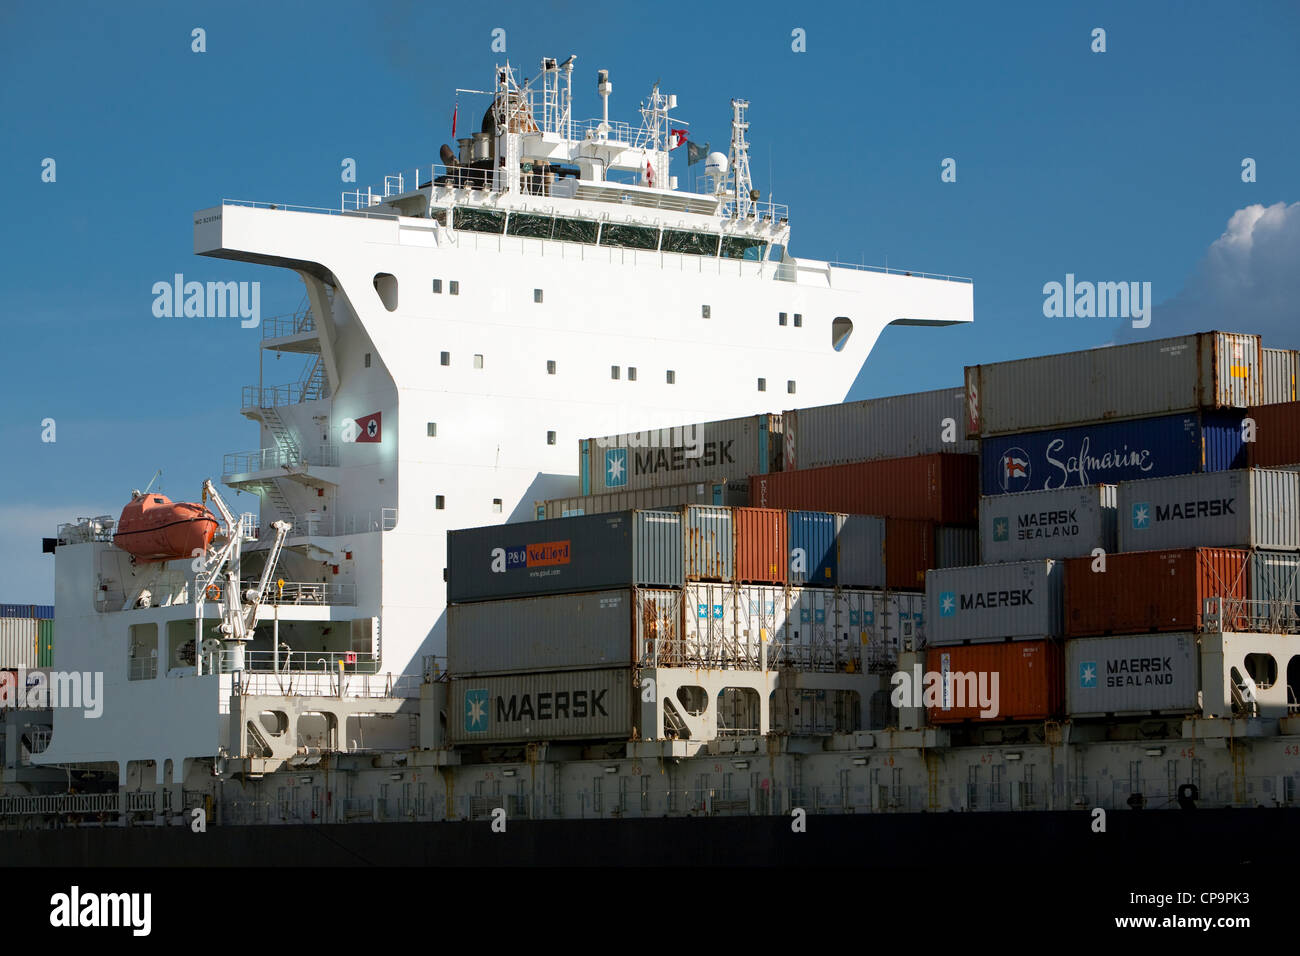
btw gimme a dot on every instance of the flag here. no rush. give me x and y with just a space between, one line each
649 174
453 120
368 428
676 137
695 152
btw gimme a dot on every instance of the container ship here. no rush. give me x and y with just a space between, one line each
1064 584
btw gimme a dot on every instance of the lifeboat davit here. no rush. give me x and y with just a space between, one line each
154 528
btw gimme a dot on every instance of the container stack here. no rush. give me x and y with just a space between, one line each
26 635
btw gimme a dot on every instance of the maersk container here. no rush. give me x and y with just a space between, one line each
1110 452
762 551
1281 376
813 553
1066 523
1130 676
711 451
956 547
1275 590
1207 370
548 633
1249 508
899 426
565 555
18 642
1277 436
668 497
1013 680
566 705
710 543
1153 591
861 546
938 488
993 602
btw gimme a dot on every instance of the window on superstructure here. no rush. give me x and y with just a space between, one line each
439 502
537 295
453 287
706 312
431 429
496 505
690 243
550 438
533 227
480 220
780 318
629 237
550 367
789 386
437 286
631 373
762 385
367 360
742 247
672 377
478 361
798 320
444 358
576 230
614 372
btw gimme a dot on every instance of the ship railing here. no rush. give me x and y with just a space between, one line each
889 270
270 396
616 131
303 662
396 184
267 459
1220 614
291 323
85 530
300 593
433 668
287 207
360 522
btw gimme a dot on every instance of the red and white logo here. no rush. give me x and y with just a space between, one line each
367 428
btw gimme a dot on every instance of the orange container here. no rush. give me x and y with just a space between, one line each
909 553
1143 591
762 550
1030 681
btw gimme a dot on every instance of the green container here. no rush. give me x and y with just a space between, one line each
44 643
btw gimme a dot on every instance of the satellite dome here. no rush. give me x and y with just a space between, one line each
715 165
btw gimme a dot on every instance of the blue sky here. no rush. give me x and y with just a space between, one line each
1123 165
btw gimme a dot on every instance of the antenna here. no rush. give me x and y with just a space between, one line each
156 475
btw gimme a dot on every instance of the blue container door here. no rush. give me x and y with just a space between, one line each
1222 448
814 558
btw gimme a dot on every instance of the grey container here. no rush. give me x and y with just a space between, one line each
567 705
566 555
1062 523
860 540
1161 377
1141 674
731 449
709 536
18 642
1248 508
956 547
1281 376
993 602
1275 589
730 493
898 426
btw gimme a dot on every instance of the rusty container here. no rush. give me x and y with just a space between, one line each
761 545
708 533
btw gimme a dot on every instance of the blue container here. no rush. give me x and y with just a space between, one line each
814 557
27 611
1111 452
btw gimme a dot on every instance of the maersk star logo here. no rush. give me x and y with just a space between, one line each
1001 527
615 467
476 711
1087 673
947 604
1141 515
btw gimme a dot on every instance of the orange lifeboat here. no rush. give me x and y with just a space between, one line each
154 528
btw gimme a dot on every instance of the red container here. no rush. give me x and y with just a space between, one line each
942 488
1277 436
762 552
909 553
1030 681
1144 591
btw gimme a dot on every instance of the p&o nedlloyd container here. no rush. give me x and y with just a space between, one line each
993 602
898 426
660 498
1066 523
1141 674
1249 508
1190 372
517 708
714 451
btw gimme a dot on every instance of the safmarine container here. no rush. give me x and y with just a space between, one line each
710 451
909 553
667 497
18 642
956 547
899 426
1013 680
1110 452
1206 370
1277 436
1281 373
1128 676
1066 523
1249 508
587 553
1152 590
813 553
761 549
710 543
860 542
519 708
939 488
993 602
1275 589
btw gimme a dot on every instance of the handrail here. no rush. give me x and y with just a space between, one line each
888 270
266 459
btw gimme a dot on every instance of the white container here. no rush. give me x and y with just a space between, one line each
1141 674
17 642
993 602
726 625
1247 508
874 627
1064 523
1281 376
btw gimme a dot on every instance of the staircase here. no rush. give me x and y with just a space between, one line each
284 438
281 504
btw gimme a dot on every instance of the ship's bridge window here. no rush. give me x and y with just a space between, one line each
534 227
437 286
798 320
480 220
629 237
762 385
742 247
690 243
576 230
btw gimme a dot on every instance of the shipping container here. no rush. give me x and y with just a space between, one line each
909 553
1207 370
761 545
1110 452
1140 674
1066 523
45 642
664 498
899 426
874 626
993 602
1277 436
940 488
1249 508
40 612
813 632
710 543
860 543
1275 590
729 626
1013 680
711 451
18 643
566 705
956 547
1151 590
1281 374
565 555
813 554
